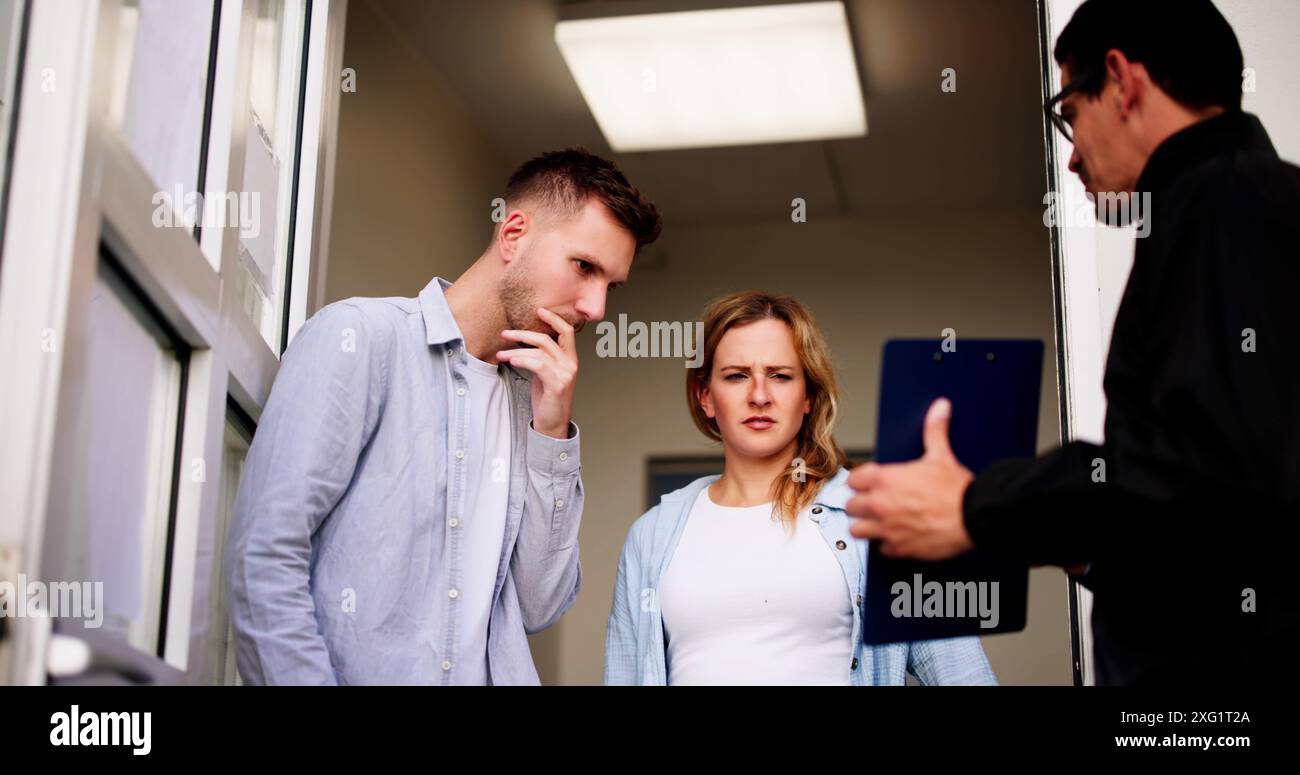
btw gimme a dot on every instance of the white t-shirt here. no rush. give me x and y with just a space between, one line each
483 517
745 601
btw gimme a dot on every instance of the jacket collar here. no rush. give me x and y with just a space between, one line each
834 494
1223 135
684 497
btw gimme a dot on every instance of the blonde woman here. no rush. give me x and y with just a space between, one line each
751 577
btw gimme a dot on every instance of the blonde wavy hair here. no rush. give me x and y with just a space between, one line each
815 445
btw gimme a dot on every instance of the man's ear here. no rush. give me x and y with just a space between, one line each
510 232
1127 80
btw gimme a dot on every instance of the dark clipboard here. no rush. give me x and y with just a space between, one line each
994 387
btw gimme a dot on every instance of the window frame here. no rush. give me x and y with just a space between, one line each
75 183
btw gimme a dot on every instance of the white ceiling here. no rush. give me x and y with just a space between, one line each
981 146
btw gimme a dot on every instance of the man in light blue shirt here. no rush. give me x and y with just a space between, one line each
409 507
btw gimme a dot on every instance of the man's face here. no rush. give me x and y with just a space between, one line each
568 266
1104 156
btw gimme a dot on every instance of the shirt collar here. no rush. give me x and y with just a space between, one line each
835 493
1227 133
439 325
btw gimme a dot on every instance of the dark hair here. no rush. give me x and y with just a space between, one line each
563 181
1187 46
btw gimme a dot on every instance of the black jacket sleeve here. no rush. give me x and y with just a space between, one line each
1202 447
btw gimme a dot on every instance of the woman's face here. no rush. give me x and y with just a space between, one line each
756 391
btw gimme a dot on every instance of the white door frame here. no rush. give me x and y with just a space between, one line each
1089 263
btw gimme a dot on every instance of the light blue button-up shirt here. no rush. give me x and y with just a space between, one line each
341 546
635 651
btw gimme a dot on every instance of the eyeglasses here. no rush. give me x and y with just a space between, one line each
1052 105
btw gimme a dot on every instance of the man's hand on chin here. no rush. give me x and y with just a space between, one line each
554 365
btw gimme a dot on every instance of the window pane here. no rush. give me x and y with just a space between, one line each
270 157
220 668
131 404
160 88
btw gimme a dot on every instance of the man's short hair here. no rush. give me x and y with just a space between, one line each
1187 46
562 182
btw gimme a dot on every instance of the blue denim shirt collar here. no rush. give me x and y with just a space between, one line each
439 325
834 494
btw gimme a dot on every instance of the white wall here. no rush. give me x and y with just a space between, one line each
414 178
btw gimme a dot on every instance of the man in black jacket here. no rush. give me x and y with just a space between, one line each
1185 518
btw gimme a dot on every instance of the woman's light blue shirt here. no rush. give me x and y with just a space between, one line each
635 651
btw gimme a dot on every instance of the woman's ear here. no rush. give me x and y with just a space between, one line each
705 399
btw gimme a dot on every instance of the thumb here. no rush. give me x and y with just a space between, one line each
936 428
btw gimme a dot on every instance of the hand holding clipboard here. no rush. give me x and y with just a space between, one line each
944 415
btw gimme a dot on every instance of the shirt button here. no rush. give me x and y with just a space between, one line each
559 503
564 456
858 601
460 391
854 664
460 453
453 522
453 594
841 545
817 509
453 352
446 665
